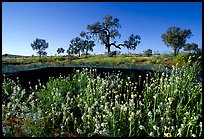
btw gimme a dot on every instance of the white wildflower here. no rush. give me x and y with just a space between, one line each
151 134
193 135
138 112
155 127
179 132
149 114
79 131
141 127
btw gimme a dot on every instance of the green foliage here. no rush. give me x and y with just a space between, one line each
88 44
91 105
132 42
181 59
176 38
167 56
76 46
43 59
191 47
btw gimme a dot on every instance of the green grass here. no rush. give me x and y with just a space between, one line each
93 59
124 60
85 104
101 59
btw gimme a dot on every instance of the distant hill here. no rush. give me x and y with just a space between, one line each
10 55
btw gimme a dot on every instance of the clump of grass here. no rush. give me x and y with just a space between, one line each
85 104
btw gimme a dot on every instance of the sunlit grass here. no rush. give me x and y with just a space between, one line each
12 65
127 59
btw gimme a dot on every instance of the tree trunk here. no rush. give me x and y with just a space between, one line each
108 46
108 49
86 52
175 52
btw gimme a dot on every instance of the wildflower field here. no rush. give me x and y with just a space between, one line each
85 104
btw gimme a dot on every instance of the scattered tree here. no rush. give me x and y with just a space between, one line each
40 45
107 31
176 38
87 43
76 46
132 42
60 50
148 52
69 51
190 47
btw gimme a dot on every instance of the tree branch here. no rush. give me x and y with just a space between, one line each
118 46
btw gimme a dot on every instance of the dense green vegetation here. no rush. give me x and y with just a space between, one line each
40 45
175 38
85 104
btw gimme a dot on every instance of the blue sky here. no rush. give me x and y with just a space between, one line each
58 23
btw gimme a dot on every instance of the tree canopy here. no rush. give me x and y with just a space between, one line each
107 31
81 45
87 42
76 46
60 50
190 47
176 38
40 45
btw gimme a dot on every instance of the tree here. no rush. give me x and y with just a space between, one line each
40 45
79 45
148 52
87 43
107 31
190 47
60 50
132 42
76 46
69 51
176 38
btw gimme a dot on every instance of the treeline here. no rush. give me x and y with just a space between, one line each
106 32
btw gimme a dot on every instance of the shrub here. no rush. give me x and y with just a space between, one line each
111 54
148 52
181 59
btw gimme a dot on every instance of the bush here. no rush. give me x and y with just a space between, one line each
148 52
181 59
111 54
